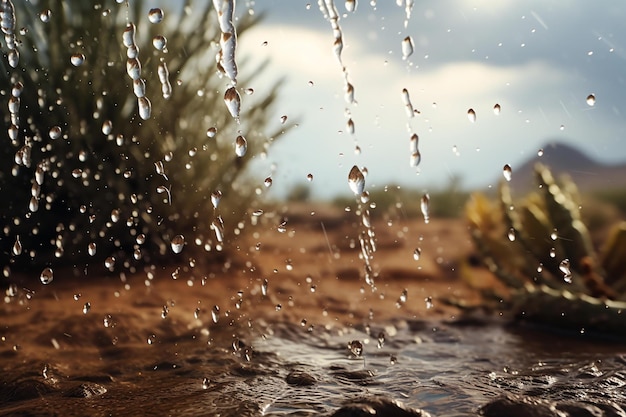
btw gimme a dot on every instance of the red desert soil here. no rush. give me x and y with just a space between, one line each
313 271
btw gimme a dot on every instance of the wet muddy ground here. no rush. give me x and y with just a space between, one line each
314 340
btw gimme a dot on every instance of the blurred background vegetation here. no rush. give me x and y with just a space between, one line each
100 185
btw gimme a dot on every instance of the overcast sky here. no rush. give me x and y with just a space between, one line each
539 60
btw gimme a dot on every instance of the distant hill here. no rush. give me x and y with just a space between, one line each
562 158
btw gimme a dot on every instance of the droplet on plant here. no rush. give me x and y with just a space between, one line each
591 100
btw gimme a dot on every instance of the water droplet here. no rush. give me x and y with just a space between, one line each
159 42
417 253
511 234
17 246
507 172
350 126
268 182
564 266
496 109
206 383
128 37
108 321
407 47
55 132
425 207
552 253
381 340
350 5
33 204
165 311
13 58
283 119
591 100
540 152
155 15
45 15
264 286
178 243
109 263
132 51
133 68
160 169
415 159
241 146
356 180
309 177
86 308
554 235
216 196
215 313
145 107
14 105
218 227
429 302
233 101
91 249
356 348
211 132
349 94
107 127
47 275
471 115
77 59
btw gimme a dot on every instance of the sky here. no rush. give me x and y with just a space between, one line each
539 60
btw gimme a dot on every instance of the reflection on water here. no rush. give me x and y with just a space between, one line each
55 358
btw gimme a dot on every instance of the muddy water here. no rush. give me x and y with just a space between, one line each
123 358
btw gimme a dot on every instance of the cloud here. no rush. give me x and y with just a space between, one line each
541 86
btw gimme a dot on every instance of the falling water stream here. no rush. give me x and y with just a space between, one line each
239 338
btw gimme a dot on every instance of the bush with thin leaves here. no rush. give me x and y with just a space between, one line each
85 178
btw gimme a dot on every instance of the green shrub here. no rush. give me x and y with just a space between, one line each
102 187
